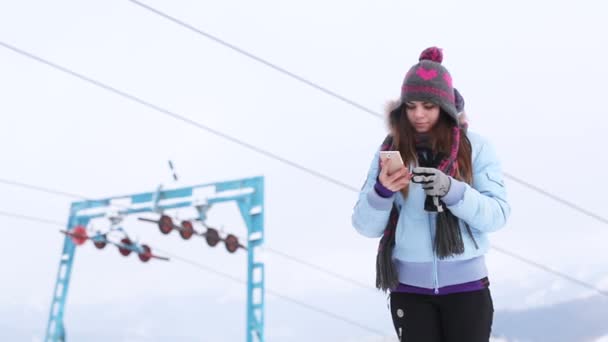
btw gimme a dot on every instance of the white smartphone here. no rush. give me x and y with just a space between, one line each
395 157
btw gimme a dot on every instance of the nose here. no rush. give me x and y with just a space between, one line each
418 112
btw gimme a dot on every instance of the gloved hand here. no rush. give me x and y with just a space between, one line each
434 182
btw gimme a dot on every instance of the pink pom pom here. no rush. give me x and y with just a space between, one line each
432 54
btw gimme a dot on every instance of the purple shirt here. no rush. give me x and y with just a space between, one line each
458 288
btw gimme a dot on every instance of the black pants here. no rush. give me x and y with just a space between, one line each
458 317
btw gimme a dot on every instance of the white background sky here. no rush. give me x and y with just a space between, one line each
533 76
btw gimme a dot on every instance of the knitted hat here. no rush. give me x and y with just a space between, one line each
430 81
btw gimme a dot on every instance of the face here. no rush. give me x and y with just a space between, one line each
422 115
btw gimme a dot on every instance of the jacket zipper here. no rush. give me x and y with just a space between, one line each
435 272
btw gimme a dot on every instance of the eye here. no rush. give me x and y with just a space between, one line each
429 106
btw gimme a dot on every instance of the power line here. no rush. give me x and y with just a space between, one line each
178 117
184 119
316 267
31 218
550 270
274 293
344 99
223 275
258 59
321 269
38 188
557 199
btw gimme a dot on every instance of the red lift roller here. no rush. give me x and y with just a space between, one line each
78 235
212 237
125 251
187 230
232 243
99 240
146 255
100 244
165 224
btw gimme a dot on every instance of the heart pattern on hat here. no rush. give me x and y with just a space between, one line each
426 74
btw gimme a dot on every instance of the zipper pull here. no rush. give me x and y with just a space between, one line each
437 204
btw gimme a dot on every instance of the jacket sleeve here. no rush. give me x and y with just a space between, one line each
372 211
484 205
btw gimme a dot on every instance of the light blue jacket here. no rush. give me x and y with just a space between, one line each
483 206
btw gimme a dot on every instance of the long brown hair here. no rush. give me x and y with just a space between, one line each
440 138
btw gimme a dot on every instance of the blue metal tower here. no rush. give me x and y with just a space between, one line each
249 195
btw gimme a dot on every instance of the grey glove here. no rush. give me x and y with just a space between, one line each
434 182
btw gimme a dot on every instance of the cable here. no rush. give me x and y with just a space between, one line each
31 218
274 293
557 199
321 269
179 117
258 59
315 267
344 99
220 274
164 111
38 188
550 270
339 276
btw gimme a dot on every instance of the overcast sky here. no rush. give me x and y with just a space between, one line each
532 74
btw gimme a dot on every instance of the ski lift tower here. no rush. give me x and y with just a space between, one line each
249 195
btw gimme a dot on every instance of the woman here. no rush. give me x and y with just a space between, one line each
434 220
